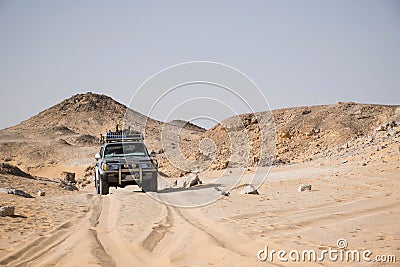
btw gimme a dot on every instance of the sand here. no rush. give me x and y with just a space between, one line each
129 228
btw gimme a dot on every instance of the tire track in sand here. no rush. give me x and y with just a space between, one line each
122 253
159 231
74 243
184 235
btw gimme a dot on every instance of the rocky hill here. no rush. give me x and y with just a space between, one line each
84 114
67 135
306 131
301 132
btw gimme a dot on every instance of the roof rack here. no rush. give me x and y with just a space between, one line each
123 136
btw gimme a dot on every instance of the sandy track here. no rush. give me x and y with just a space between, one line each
74 237
174 237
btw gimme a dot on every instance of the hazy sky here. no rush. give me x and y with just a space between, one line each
298 52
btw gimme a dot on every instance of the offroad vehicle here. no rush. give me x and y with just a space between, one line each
124 160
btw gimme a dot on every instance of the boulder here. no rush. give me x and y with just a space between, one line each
20 193
224 193
41 193
68 177
249 189
7 211
5 191
6 168
304 187
68 186
182 182
188 181
194 181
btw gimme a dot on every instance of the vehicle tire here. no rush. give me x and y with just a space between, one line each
96 184
98 188
103 187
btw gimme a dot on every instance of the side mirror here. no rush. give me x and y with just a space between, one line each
152 153
97 156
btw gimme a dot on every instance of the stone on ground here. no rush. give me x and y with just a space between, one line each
20 193
7 211
249 189
5 191
304 187
68 186
68 177
188 181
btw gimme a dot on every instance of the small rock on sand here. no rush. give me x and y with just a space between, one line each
304 187
41 193
189 181
20 193
7 211
224 193
249 189
5 191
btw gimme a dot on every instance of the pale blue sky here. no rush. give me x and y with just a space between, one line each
298 52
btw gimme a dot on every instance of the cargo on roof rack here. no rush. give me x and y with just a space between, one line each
123 136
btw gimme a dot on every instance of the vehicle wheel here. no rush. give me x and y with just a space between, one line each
96 184
97 188
103 187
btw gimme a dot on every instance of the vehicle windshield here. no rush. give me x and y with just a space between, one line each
122 150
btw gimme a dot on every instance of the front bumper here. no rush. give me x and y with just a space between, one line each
128 175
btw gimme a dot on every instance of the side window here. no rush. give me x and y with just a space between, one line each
101 151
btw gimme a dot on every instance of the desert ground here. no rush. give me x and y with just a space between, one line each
352 164
130 228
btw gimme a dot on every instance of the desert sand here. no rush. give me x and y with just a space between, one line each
129 228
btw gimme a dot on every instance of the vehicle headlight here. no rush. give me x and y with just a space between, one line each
110 167
131 166
146 165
